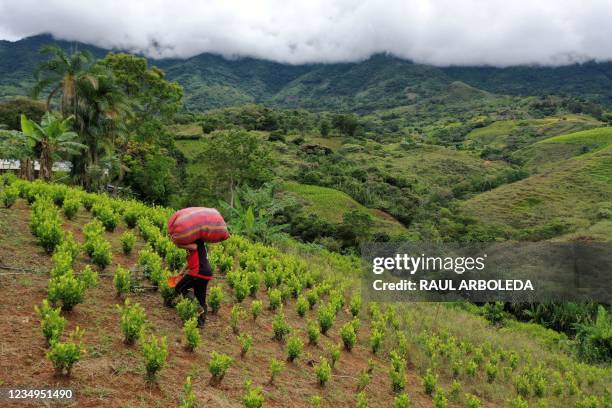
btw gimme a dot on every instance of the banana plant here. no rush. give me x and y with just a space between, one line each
52 136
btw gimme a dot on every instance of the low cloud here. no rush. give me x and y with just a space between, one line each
439 32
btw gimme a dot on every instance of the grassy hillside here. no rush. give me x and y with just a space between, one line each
331 205
570 191
497 134
445 352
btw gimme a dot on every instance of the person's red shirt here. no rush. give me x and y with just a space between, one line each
193 265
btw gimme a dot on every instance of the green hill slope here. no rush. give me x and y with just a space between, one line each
331 205
571 190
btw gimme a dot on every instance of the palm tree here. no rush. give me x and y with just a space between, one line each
101 114
61 73
52 137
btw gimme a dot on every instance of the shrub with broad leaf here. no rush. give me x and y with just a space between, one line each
218 365
52 322
192 334
155 353
323 371
132 321
187 308
128 239
64 355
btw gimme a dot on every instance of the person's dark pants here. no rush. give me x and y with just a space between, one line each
198 285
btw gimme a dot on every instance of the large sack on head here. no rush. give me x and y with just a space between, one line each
193 223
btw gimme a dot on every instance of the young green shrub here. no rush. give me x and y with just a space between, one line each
167 293
334 354
236 315
256 308
348 335
363 380
71 207
471 368
275 298
246 342
254 279
106 215
189 399
402 401
397 372
122 280
128 239
52 322
494 313
62 263
523 385
241 288
312 328
294 348
301 306
192 334
312 297
276 367
69 246
455 391
66 289
64 355
326 315
315 401
49 234
187 309
89 277
472 401
9 196
430 382
215 297
362 400
155 353
518 402
102 254
491 370
323 371
93 231
218 365
253 398
439 400
176 258
280 326
375 340
133 319
355 305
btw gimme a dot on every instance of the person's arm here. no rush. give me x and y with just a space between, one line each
189 247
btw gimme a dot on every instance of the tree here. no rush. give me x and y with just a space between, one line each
346 124
10 111
51 137
101 112
233 158
153 99
14 145
61 73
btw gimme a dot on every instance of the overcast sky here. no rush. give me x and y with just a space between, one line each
439 32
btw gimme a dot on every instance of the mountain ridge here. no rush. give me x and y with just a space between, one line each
379 82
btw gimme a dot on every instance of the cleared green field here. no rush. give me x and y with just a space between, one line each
331 205
497 134
546 153
432 167
570 196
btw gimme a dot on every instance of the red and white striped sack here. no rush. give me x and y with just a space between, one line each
190 224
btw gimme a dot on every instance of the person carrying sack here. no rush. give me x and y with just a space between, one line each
199 273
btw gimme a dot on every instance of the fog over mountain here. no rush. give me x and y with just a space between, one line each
437 32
